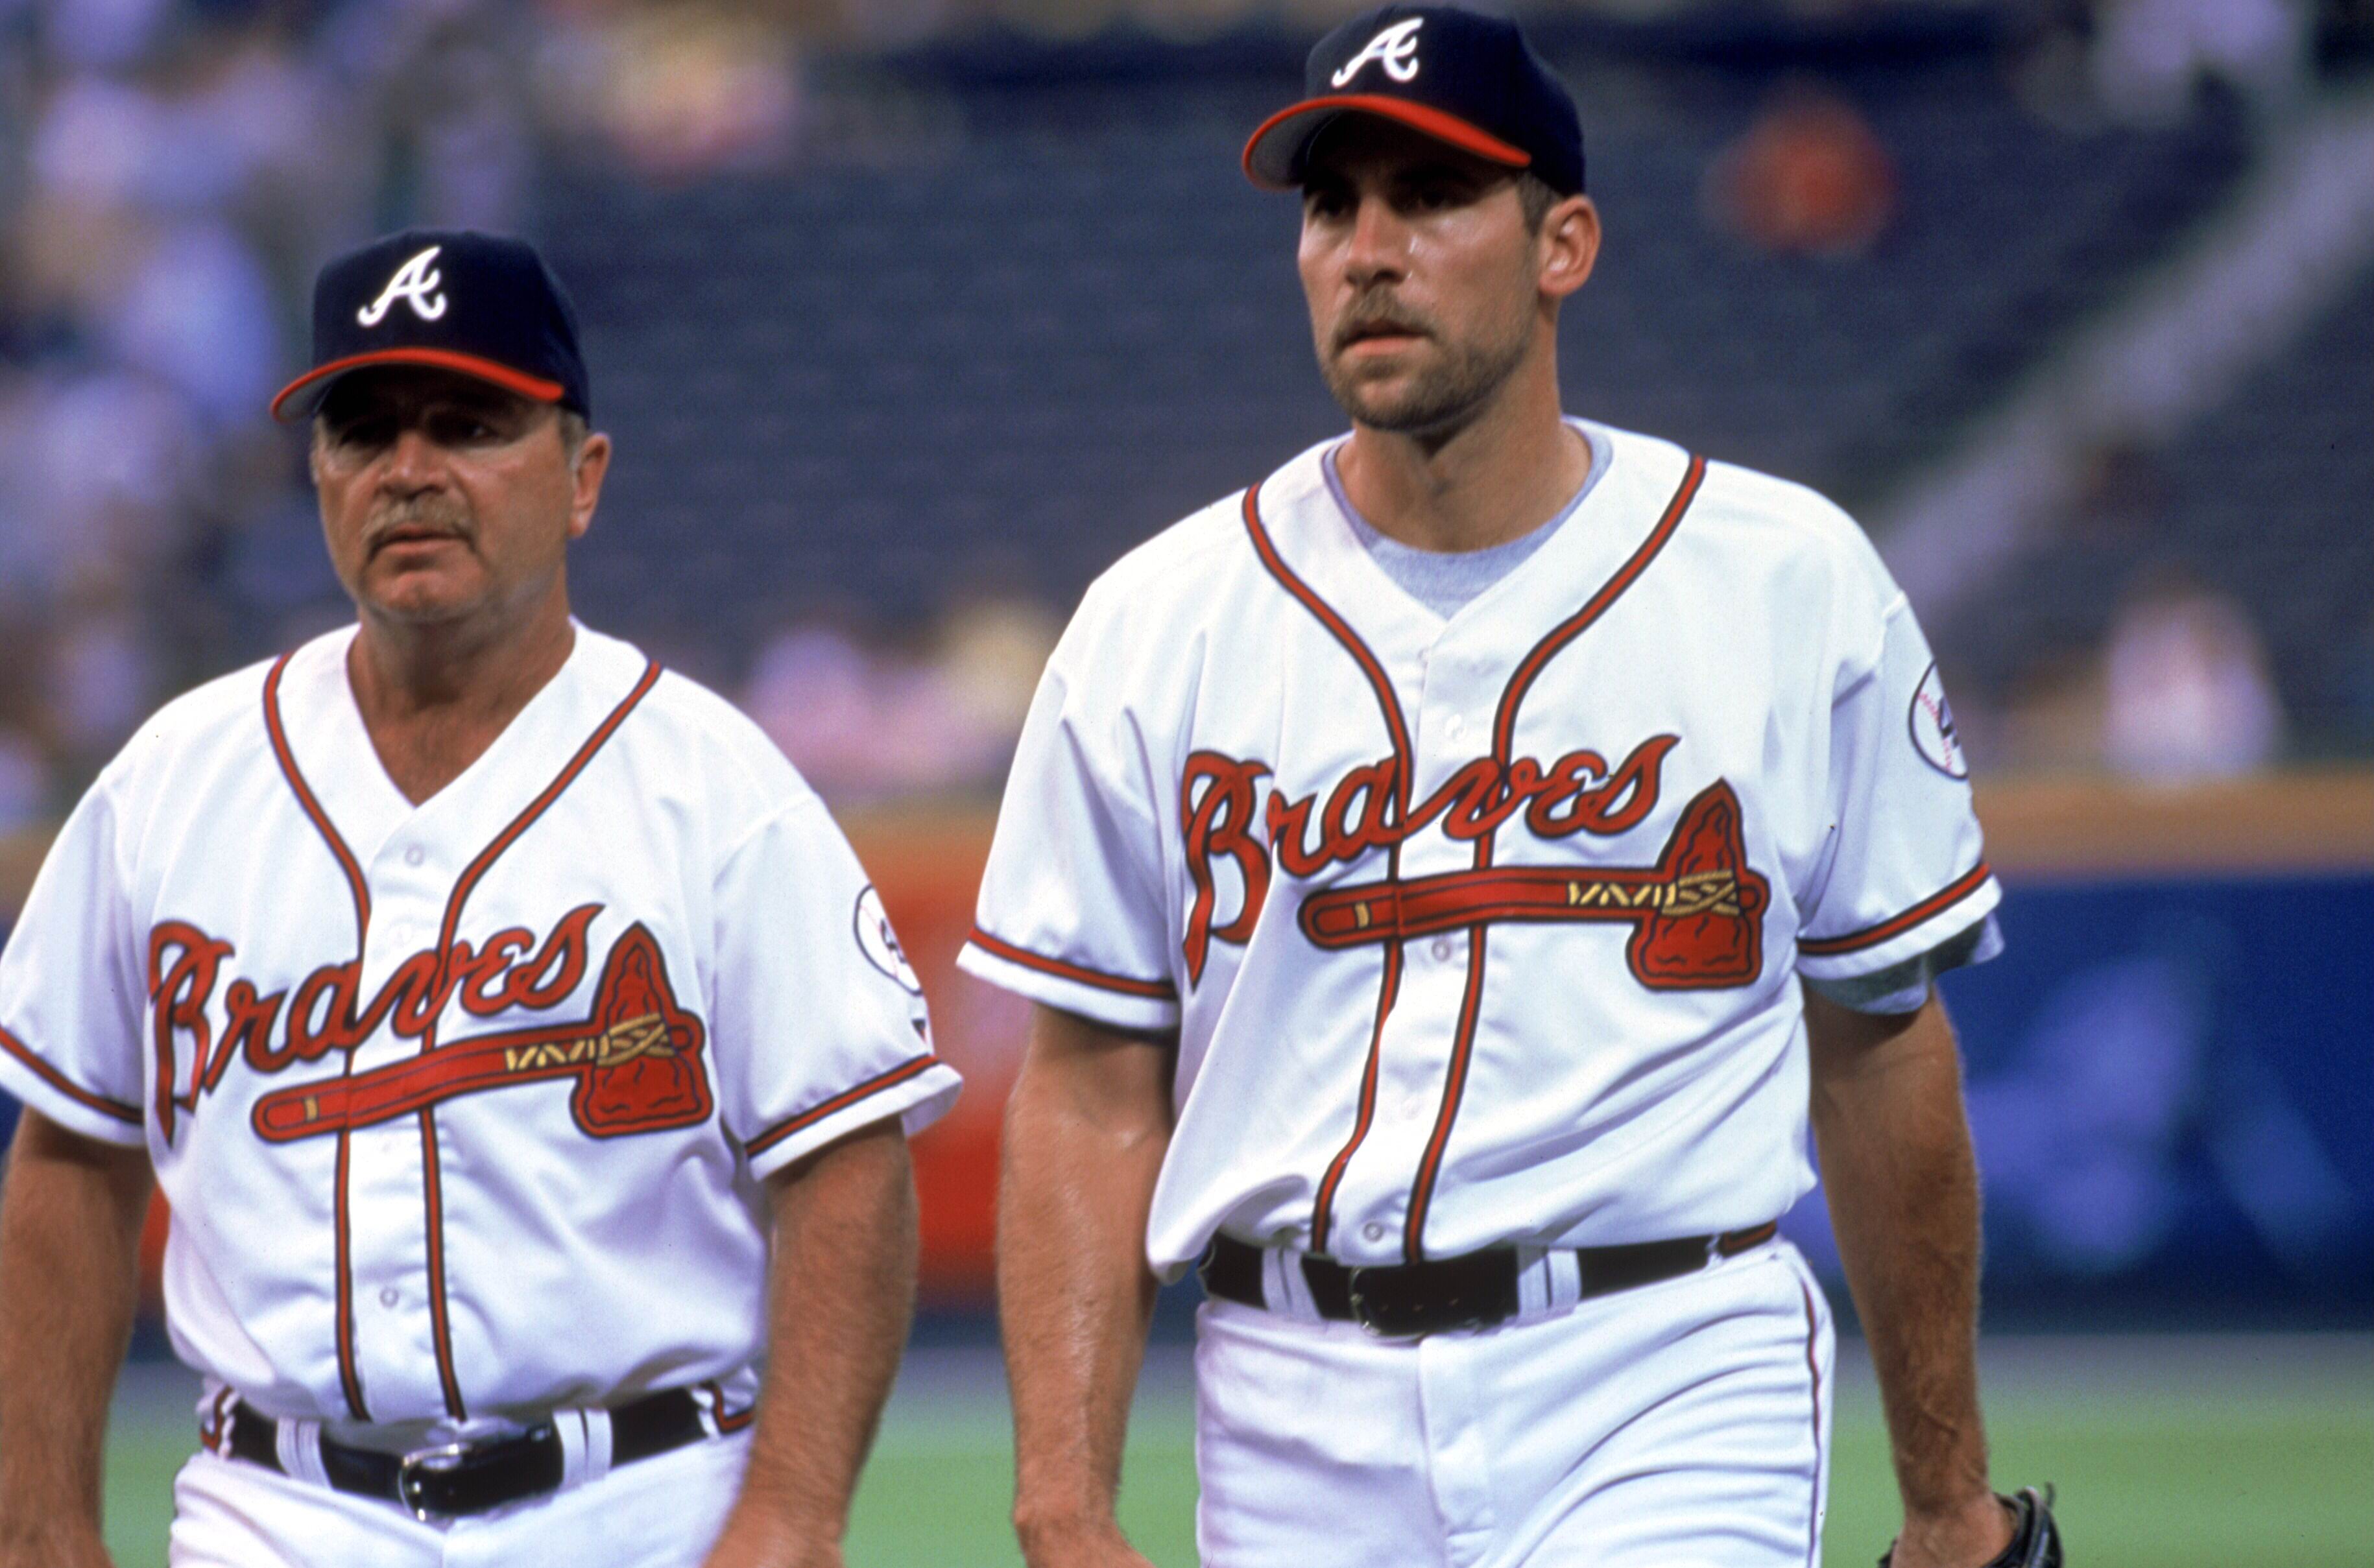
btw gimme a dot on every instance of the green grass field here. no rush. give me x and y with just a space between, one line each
2194 1452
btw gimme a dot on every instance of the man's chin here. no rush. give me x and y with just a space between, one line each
421 599
1401 409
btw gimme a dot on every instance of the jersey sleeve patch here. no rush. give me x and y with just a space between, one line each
1930 721
1122 1001
64 1101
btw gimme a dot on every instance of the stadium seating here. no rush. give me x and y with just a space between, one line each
993 361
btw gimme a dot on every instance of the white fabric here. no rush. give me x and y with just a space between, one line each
1762 651
1684 1424
663 1512
589 1252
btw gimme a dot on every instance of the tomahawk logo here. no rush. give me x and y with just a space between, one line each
1396 49
416 284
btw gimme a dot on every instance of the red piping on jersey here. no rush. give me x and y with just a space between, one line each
1953 892
1504 729
431 1186
1389 987
1814 1367
350 1380
116 1109
727 1424
843 1101
321 823
212 1433
1063 969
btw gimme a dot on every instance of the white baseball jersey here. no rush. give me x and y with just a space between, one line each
1484 929
461 1108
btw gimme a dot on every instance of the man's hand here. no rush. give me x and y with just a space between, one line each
1903 1191
70 1218
1079 1544
842 1290
1974 1536
1086 1131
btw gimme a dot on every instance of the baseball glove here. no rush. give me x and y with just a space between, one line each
2035 1538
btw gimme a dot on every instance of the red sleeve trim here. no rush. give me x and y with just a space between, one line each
130 1115
840 1101
1155 990
1871 936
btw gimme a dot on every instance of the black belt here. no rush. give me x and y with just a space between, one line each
457 1479
1473 1291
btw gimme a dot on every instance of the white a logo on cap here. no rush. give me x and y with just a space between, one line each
1396 49
414 284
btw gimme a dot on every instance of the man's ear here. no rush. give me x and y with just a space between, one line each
1569 246
585 482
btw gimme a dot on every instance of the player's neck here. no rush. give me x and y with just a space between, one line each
434 698
1497 477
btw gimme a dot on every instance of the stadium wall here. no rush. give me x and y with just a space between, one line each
2170 1070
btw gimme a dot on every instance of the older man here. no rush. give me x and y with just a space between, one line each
518 1044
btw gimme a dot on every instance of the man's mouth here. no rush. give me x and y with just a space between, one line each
1377 331
413 534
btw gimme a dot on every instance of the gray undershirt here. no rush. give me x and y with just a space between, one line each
1446 582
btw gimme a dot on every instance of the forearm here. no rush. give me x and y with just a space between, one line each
1086 1131
1902 1185
842 1293
70 1217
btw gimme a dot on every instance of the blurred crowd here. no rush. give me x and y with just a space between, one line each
173 172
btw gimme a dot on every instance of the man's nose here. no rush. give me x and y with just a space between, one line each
1379 244
414 464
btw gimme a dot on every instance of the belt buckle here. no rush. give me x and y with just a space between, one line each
1363 1306
444 1459
1452 1304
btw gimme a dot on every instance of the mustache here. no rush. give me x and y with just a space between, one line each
419 514
1379 316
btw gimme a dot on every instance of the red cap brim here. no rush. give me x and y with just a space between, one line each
1275 171
533 388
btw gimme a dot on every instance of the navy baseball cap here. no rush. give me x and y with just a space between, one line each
1468 80
481 304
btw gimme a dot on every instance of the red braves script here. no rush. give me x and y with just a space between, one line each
1700 878
636 1057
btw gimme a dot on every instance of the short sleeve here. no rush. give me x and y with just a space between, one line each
818 1026
1904 870
71 990
1072 912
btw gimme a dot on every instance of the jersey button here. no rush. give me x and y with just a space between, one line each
1454 727
1442 949
1373 1230
414 855
389 1295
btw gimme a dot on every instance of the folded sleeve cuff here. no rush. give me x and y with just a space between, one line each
1119 1002
1921 927
1903 988
918 1092
59 1098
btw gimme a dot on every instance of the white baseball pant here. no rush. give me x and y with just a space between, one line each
662 1512
1680 1424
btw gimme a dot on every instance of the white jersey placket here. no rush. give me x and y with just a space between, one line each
1460 705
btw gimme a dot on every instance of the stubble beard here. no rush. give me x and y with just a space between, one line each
1443 395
